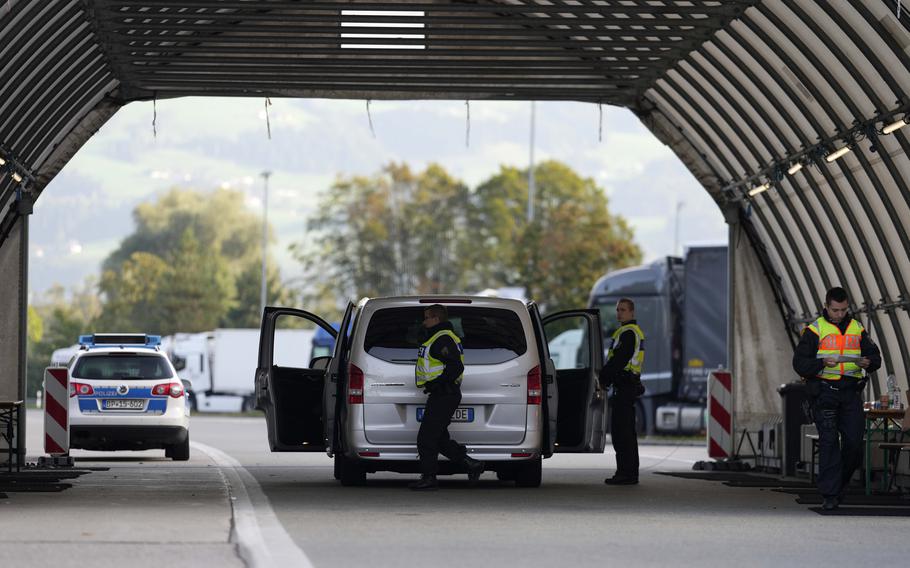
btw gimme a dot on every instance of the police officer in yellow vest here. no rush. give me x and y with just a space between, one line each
440 365
833 355
623 371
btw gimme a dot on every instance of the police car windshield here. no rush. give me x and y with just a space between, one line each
488 335
122 367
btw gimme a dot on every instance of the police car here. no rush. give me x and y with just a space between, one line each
125 395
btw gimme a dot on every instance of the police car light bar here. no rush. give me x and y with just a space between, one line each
121 339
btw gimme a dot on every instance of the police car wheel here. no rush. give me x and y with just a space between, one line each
180 452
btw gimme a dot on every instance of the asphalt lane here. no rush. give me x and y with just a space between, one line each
572 519
144 510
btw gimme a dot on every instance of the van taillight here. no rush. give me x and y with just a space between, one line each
534 388
81 389
355 384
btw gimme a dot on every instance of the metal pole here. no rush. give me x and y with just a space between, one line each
25 210
265 234
531 168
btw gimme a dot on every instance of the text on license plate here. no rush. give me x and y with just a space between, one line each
461 414
123 404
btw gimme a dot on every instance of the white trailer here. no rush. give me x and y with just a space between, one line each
222 364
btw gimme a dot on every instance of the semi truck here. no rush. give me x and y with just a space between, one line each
220 364
682 306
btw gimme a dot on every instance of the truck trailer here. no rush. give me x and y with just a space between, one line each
681 305
221 362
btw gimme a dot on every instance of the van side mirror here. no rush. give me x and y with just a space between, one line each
320 363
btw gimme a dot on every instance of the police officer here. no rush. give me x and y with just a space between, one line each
440 365
833 355
623 371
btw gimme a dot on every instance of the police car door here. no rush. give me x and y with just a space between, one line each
291 393
575 344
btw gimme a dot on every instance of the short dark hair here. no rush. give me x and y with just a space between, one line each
836 294
628 302
437 310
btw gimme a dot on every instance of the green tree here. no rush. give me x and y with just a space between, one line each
572 241
393 233
246 311
219 220
187 267
399 232
197 291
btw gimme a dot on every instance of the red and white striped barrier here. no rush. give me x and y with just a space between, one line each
56 411
720 415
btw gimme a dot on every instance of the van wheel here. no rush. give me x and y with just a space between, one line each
349 473
529 474
179 452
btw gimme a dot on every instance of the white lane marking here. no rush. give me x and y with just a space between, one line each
259 535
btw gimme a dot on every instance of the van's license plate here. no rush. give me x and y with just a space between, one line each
461 414
123 404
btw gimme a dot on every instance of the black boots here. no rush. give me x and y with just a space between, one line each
425 483
475 468
621 480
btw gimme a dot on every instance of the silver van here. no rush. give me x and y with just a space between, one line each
361 406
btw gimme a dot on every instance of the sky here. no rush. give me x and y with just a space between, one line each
206 143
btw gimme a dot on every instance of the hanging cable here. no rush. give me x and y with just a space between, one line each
155 115
370 119
268 123
467 132
600 122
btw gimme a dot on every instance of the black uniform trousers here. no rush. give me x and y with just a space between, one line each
841 425
433 437
624 435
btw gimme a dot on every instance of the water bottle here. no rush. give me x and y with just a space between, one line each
893 392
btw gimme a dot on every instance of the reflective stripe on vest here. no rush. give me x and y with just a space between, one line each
832 342
638 356
428 367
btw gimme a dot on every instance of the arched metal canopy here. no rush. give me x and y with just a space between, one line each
755 96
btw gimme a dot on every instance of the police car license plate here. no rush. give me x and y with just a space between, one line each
461 414
123 404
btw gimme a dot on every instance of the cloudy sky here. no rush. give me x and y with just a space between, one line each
205 143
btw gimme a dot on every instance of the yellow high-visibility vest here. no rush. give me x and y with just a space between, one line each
638 356
832 342
428 367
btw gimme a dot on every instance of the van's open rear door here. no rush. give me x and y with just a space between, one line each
581 418
291 397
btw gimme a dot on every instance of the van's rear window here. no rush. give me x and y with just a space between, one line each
121 367
488 335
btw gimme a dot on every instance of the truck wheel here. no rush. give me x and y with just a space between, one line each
529 474
349 473
180 452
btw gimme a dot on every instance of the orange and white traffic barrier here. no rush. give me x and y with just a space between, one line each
56 411
720 415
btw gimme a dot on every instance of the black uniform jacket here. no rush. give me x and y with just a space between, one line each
805 358
622 354
445 349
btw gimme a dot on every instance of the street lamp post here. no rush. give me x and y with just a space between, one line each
265 234
531 169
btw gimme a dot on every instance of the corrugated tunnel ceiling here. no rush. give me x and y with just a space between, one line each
787 111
